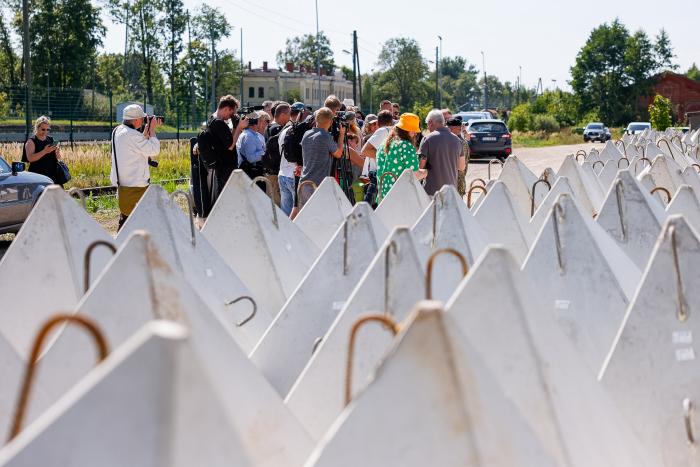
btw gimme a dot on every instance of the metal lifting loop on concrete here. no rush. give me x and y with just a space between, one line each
471 184
581 152
619 195
598 162
532 197
670 152
623 159
471 190
429 269
304 183
438 195
252 314
688 421
619 143
268 190
317 342
387 274
491 162
643 149
345 247
697 167
682 313
557 215
87 257
30 372
188 197
660 188
641 159
77 191
381 182
388 323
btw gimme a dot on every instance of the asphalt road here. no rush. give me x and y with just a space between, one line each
536 159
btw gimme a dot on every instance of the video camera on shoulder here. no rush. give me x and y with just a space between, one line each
344 117
243 111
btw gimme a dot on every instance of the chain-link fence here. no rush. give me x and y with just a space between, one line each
88 114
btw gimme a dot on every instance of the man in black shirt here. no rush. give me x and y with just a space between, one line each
272 156
220 153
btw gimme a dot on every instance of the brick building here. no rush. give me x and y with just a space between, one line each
683 92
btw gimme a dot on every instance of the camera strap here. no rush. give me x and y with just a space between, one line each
114 151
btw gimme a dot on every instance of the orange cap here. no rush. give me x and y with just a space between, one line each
409 122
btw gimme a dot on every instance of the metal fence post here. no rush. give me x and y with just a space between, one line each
177 111
110 111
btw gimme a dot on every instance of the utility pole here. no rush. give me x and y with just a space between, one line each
27 67
318 60
437 75
193 102
354 66
213 73
486 85
126 39
359 73
242 69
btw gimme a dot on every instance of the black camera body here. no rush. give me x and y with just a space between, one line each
243 111
152 162
344 116
156 117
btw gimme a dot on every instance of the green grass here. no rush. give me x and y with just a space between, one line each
539 139
90 164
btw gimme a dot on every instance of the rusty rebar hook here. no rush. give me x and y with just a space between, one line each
251 300
491 162
688 421
624 147
665 191
381 182
697 167
471 184
268 190
188 197
532 197
388 323
32 363
598 162
471 190
641 159
438 195
557 238
87 259
623 159
581 152
682 313
668 145
81 195
387 274
619 188
299 197
429 269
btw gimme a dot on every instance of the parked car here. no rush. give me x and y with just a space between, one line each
596 131
637 127
488 138
19 192
476 115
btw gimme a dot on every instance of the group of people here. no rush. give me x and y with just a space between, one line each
292 147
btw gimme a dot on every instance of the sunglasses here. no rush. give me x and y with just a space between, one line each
44 129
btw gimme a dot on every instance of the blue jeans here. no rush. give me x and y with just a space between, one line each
286 193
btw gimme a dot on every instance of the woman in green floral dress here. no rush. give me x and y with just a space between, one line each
398 153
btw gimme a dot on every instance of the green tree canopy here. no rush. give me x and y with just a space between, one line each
301 51
405 72
693 73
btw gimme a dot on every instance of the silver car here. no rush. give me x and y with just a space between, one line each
19 191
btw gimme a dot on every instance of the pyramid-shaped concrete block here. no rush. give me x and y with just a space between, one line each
323 212
404 203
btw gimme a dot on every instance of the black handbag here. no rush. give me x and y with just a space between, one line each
62 173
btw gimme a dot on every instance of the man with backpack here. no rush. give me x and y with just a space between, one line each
272 157
289 140
216 146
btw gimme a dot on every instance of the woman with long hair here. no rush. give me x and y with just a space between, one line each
41 151
399 152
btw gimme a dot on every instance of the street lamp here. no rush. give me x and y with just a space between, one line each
439 74
318 59
483 64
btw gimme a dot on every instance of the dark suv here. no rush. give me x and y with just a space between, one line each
488 138
596 131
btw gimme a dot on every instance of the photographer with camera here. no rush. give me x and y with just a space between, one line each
251 144
134 143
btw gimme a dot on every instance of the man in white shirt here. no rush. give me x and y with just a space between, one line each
132 151
288 169
369 151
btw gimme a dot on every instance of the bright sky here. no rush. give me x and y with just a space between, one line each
541 36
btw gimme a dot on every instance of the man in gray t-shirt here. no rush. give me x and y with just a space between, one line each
441 153
317 147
